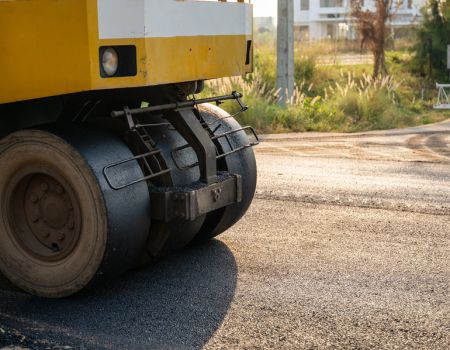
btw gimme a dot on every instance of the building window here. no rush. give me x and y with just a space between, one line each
304 5
331 3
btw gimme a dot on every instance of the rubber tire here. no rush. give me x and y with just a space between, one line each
242 163
115 224
166 238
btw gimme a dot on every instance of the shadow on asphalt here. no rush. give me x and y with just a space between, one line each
178 303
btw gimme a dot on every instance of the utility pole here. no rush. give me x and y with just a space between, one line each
285 50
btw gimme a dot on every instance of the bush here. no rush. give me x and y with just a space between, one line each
304 70
329 98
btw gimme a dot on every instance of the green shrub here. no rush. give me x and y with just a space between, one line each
330 98
304 70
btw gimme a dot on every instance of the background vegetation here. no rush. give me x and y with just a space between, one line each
433 36
331 96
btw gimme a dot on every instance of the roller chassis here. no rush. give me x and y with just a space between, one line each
86 193
166 175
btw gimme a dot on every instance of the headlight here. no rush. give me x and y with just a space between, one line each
110 61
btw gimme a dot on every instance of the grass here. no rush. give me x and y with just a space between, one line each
331 98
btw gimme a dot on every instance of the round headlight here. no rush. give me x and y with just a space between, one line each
110 61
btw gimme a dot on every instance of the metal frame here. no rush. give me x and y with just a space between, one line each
133 182
186 119
443 99
179 105
214 190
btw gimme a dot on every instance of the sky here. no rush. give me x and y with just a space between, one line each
264 8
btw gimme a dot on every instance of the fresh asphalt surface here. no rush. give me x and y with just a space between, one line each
347 246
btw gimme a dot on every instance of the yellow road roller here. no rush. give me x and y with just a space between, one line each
109 159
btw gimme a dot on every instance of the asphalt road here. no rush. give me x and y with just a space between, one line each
347 246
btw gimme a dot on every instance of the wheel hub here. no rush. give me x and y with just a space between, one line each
50 214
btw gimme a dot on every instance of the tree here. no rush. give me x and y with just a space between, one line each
433 36
371 26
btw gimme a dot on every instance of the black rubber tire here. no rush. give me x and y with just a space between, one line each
165 238
114 223
242 163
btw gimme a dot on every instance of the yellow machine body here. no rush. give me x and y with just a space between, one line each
50 47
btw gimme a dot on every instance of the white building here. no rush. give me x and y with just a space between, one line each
329 19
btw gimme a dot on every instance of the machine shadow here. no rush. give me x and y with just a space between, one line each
177 303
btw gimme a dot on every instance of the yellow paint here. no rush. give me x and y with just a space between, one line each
50 47
43 48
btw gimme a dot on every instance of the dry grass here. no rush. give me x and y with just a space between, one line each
332 98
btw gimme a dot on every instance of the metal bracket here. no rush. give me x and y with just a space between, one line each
192 202
190 127
129 117
179 105
238 96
